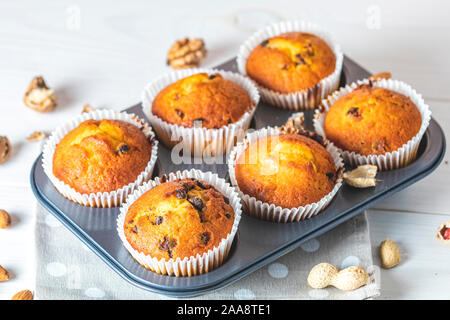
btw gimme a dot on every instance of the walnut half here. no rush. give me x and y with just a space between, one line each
5 149
186 53
39 97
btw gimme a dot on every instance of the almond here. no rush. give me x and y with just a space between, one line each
5 219
23 295
4 275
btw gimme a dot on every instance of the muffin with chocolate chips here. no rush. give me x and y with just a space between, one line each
178 219
101 156
210 101
372 121
291 62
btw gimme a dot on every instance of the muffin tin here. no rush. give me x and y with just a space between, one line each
257 242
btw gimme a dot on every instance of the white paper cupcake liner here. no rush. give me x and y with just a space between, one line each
201 142
193 265
100 199
271 212
304 99
391 160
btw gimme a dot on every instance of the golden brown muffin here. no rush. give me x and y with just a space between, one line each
178 219
288 170
212 101
101 156
291 62
372 121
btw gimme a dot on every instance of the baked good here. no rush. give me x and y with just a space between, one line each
290 169
178 219
101 156
290 62
372 121
207 100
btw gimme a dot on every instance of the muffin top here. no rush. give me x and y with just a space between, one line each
208 100
372 121
288 170
291 62
101 156
178 219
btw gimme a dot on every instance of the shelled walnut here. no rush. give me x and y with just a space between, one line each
39 97
186 53
5 149
5 219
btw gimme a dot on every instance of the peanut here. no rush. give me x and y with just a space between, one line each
389 254
325 274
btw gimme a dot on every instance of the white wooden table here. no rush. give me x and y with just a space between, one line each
104 54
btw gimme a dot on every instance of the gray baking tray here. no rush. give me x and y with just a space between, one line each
257 242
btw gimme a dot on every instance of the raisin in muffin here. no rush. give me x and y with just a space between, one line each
289 170
290 62
101 156
207 100
178 219
372 121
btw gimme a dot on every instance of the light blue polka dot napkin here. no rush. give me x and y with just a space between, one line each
66 269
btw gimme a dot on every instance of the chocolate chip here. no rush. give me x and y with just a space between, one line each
197 203
199 120
167 243
181 194
124 148
227 201
187 187
228 215
135 230
158 220
201 185
212 76
264 43
130 222
354 112
284 67
204 237
300 59
164 178
179 113
330 175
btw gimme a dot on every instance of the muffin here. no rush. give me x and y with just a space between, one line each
295 64
201 111
379 123
287 169
178 219
100 157
290 62
372 120
211 100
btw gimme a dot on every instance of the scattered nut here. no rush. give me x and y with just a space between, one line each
296 120
39 97
389 254
5 149
23 295
186 53
444 232
87 108
4 275
36 136
325 274
5 219
381 75
361 177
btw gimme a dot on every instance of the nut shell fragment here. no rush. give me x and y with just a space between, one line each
389 254
186 53
441 235
5 219
4 275
39 97
296 120
36 136
23 295
381 75
5 149
361 177
87 108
